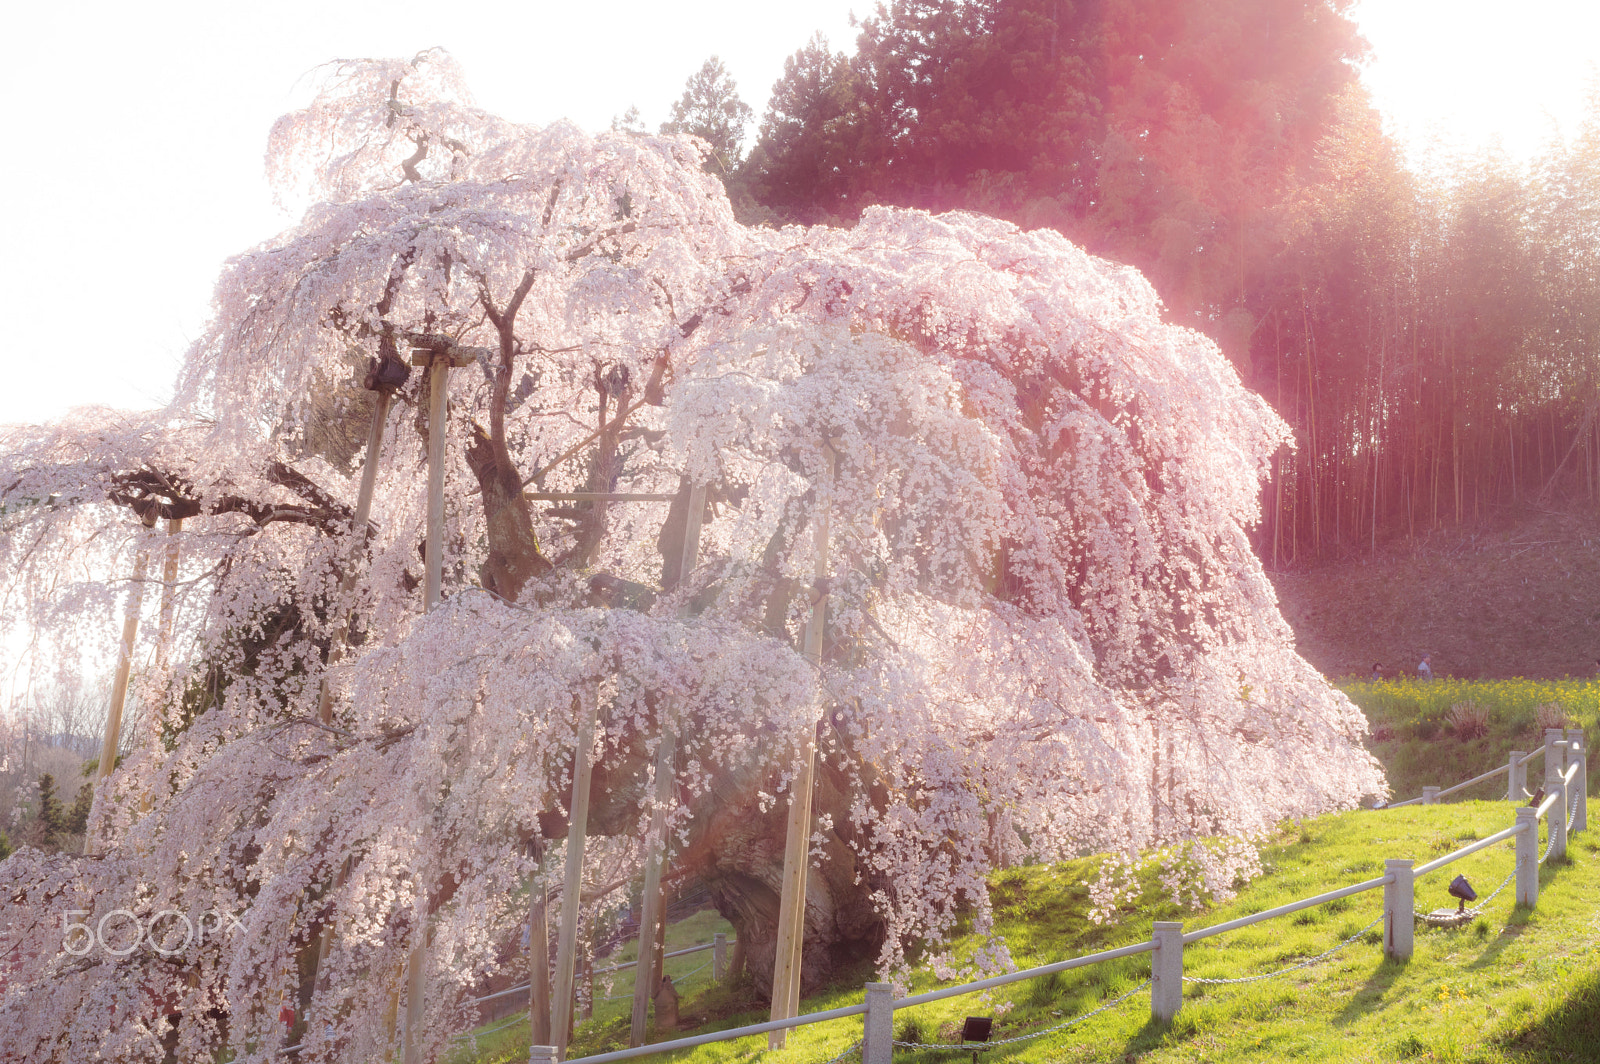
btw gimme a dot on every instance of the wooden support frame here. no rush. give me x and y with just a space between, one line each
797 841
602 496
119 686
648 972
572 889
438 407
358 531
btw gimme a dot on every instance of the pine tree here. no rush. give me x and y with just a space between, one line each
52 818
78 817
710 108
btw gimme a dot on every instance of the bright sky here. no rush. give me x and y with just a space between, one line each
137 130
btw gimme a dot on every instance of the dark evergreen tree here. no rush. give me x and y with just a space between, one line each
710 108
77 822
52 818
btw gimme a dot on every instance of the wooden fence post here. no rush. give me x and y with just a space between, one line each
877 1026
1166 971
1527 856
719 956
1399 909
797 843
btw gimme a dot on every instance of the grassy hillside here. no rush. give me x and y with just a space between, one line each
1518 599
1422 740
1514 986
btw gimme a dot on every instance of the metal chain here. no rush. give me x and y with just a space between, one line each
1572 815
964 1046
1477 910
1484 904
1293 967
851 1048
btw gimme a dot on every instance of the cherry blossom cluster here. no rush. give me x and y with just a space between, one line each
1046 631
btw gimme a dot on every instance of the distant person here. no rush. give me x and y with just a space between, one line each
1377 672
1424 668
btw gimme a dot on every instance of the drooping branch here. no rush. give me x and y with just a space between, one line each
151 494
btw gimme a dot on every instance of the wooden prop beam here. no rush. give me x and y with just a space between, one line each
648 973
539 967
797 841
119 686
598 496
169 580
571 896
359 528
438 399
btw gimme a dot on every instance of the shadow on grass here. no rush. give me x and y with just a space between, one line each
1146 1038
1371 992
1516 921
1568 1030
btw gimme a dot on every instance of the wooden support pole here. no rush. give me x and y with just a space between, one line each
572 890
358 541
539 957
119 686
169 579
417 960
437 405
647 974
347 580
797 841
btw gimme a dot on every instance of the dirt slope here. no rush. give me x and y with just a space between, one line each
1518 599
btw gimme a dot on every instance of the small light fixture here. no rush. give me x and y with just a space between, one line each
976 1029
1462 890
